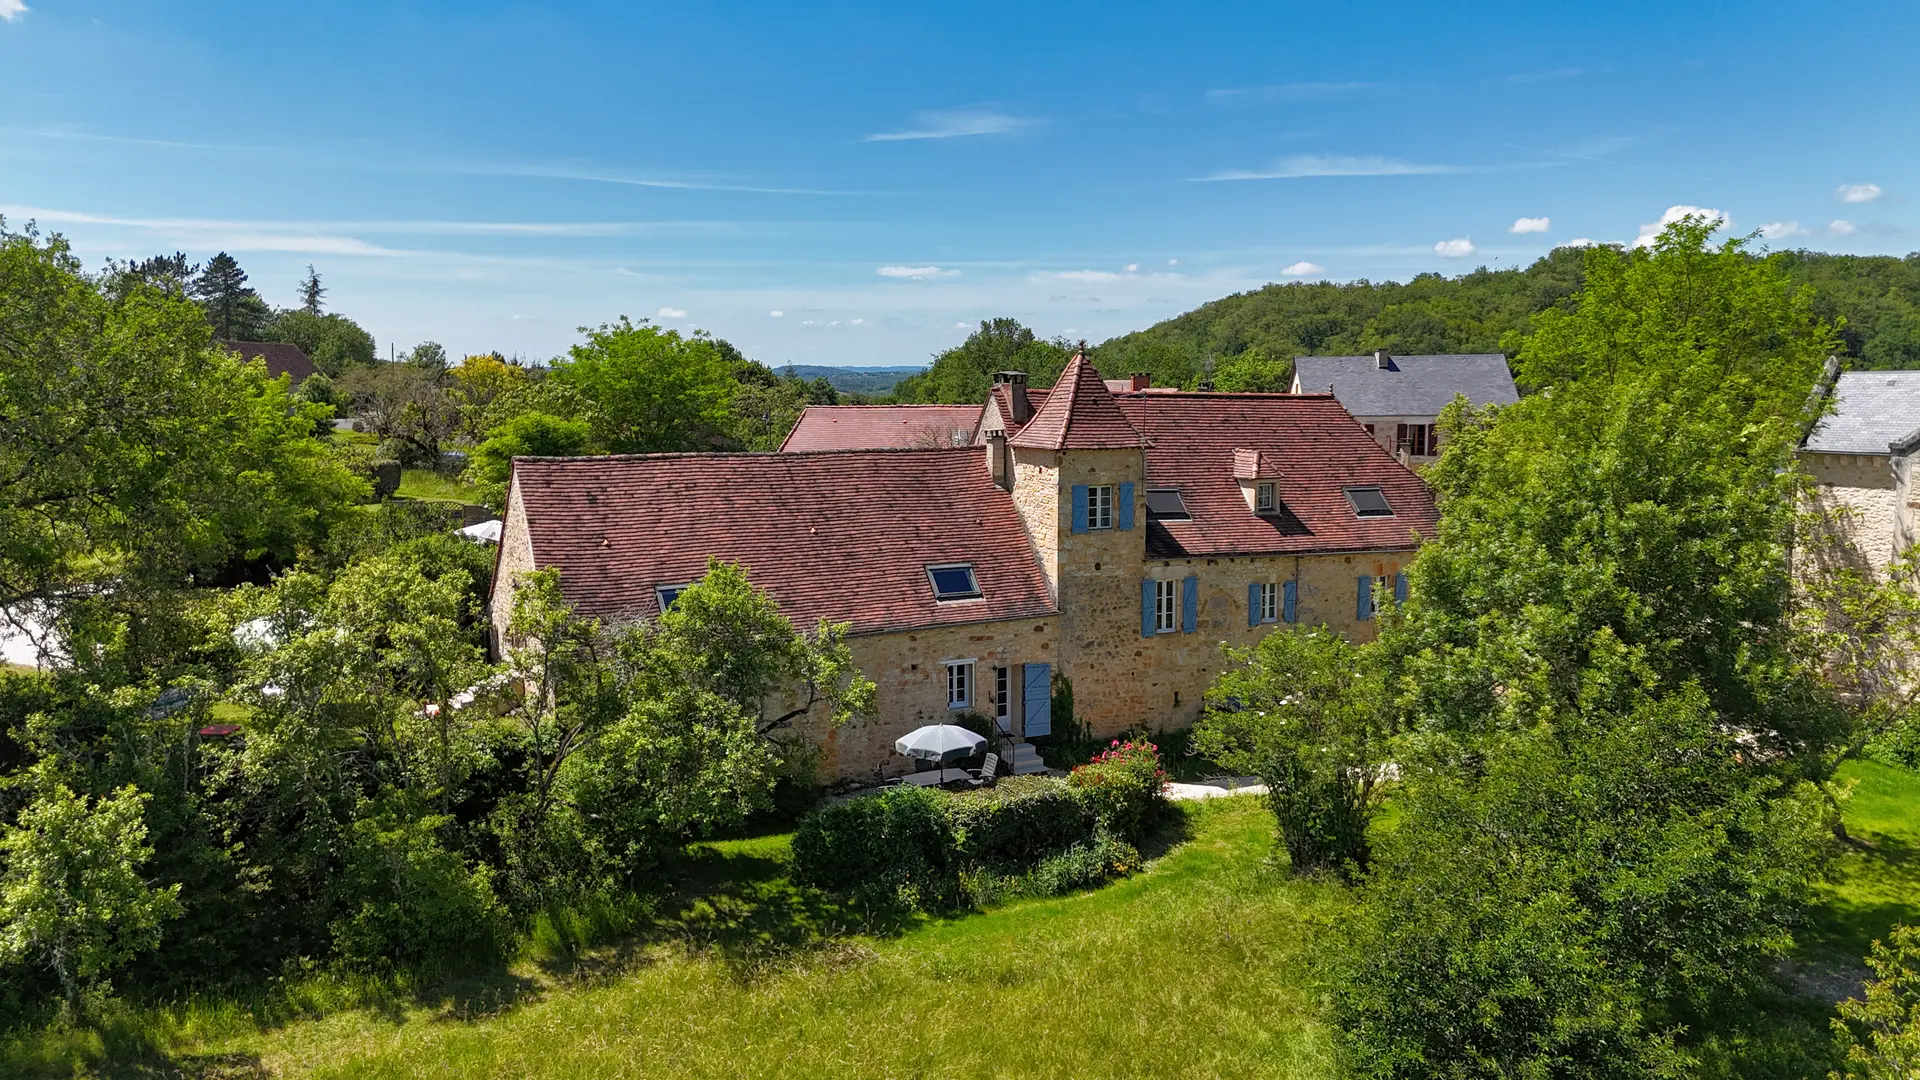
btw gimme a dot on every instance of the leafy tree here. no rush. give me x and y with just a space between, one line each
408 405
133 451
527 435
168 273
235 310
651 389
1253 372
335 343
1880 1035
430 357
478 382
71 893
1862 628
311 292
1300 711
963 374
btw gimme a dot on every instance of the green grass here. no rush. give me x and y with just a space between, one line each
432 487
1196 967
1876 881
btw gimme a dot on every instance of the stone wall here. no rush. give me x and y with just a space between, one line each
1385 428
515 558
1868 503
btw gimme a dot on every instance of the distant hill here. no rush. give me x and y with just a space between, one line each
852 380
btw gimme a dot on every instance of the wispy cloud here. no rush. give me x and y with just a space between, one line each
1305 165
1078 275
915 273
1303 268
953 124
1651 232
1546 76
673 313
209 235
1458 248
600 176
1288 92
374 226
1857 193
776 314
1842 227
11 10
1531 225
1780 230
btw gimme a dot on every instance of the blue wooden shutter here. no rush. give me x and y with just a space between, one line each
1289 601
1363 605
1146 608
1036 699
1399 588
1126 507
1253 604
1079 508
1189 604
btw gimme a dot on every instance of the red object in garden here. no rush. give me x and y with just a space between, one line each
219 731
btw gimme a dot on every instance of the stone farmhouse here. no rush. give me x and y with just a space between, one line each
1090 547
1398 398
1862 458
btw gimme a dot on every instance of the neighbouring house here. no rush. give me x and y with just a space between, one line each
281 357
872 427
1398 398
1095 547
1861 457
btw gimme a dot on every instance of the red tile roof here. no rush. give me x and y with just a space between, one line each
1080 414
841 535
878 427
1002 397
282 357
1196 440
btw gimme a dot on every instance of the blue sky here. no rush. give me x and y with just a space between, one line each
862 183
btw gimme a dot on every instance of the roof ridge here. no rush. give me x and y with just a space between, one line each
771 455
1080 398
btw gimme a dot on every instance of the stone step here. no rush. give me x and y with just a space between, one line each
1024 757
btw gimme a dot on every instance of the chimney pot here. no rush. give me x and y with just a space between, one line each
1382 359
1140 381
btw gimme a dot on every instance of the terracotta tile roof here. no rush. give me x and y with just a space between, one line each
839 535
879 427
1196 441
1002 397
282 357
1080 414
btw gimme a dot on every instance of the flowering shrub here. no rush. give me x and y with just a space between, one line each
1123 787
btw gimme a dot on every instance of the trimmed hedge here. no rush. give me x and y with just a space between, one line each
1017 822
894 849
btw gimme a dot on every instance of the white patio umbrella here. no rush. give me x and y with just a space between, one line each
940 743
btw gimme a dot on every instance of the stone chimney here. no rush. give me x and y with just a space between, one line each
1139 381
997 465
1016 382
1382 360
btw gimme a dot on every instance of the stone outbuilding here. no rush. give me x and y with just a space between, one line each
1861 458
1093 547
1398 398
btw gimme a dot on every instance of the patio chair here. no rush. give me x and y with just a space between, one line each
984 776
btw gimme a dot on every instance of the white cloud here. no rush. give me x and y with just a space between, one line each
1579 242
11 10
1650 233
1458 248
1530 225
1780 230
776 314
1856 193
915 273
1841 227
1303 268
672 313
1081 275
1302 165
859 322
1173 262
1133 268
961 325
953 124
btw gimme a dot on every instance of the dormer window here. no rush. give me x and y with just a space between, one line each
1165 504
1368 502
667 594
953 581
1263 498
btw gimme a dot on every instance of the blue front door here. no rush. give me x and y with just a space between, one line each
1036 699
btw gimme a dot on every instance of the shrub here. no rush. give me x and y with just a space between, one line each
1122 787
406 899
1018 822
891 850
1083 866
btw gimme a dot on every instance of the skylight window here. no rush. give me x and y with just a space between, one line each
1368 502
953 581
667 594
1166 505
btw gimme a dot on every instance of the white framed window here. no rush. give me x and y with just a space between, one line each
959 684
667 594
1263 498
1269 602
1166 606
1002 694
1100 506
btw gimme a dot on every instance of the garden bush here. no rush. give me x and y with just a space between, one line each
1017 822
1123 787
891 850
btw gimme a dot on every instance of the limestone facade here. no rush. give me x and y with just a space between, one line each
512 561
1872 503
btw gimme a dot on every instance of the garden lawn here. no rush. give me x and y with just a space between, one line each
431 486
1196 967
1876 882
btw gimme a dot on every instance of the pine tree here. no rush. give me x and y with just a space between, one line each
311 291
236 311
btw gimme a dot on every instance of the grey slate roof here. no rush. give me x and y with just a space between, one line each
1411 385
1871 409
